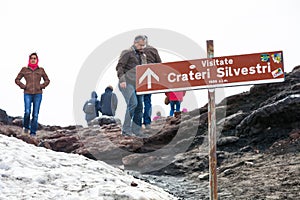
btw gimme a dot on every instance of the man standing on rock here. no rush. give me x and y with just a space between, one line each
126 70
33 90
108 102
152 57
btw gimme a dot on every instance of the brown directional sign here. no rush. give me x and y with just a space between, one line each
266 67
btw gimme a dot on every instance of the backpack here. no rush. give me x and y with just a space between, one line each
90 107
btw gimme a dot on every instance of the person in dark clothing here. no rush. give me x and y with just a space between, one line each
109 102
92 107
152 57
126 70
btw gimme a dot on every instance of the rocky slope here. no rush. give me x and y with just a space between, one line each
256 129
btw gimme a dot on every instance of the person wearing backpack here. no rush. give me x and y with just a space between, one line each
109 102
92 107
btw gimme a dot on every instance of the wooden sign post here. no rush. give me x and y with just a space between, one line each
212 133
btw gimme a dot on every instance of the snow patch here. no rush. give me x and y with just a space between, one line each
29 172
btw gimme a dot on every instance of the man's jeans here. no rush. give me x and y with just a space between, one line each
174 104
147 109
36 100
134 111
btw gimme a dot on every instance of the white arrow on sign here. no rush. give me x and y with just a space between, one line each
148 73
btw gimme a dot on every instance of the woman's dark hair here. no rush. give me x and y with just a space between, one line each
33 54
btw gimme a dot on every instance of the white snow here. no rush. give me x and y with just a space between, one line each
29 172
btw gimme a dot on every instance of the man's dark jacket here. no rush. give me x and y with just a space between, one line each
126 67
152 54
109 102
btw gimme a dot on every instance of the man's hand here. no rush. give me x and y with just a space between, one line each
123 85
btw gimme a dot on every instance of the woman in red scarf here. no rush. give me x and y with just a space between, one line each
33 90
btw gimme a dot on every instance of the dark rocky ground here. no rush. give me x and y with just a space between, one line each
258 145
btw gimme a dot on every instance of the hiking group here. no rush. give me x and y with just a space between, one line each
107 105
138 107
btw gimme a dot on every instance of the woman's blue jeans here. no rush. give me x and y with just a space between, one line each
32 101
